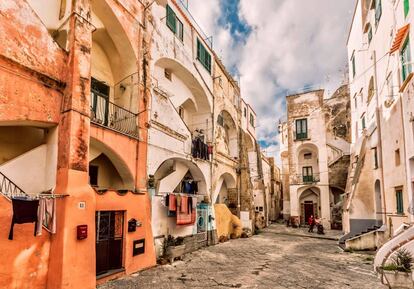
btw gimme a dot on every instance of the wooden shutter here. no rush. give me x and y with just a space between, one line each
406 7
171 19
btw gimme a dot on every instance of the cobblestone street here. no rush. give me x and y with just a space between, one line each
267 260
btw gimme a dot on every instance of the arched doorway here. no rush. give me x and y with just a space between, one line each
225 185
310 203
378 201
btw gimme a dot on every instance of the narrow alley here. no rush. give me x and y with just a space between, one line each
267 260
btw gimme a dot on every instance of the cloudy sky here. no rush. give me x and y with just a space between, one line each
277 47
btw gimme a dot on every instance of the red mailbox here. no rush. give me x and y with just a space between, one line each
82 232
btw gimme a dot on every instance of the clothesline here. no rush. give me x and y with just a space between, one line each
181 194
52 196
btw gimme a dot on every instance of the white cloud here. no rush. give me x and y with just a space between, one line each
293 43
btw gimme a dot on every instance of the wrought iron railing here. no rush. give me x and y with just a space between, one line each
10 189
108 114
304 179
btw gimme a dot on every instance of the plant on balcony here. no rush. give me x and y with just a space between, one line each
398 273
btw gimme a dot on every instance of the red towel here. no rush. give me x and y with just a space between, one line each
172 204
184 219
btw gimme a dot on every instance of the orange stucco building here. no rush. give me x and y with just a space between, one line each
74 91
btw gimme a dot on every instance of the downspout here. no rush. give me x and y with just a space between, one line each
378 116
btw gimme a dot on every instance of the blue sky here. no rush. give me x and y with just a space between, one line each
277 47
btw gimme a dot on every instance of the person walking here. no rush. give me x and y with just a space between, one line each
311 223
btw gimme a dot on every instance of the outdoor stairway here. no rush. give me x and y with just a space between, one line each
9 189
352 235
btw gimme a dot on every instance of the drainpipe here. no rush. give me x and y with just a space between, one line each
378 116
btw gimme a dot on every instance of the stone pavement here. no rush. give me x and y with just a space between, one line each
303 231
268 260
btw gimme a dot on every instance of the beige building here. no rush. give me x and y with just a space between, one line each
315 155
379 191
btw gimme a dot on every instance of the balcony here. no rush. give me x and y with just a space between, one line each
301 136
300 179
200 150
108 114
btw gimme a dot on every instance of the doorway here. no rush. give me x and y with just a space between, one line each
109 241
308 208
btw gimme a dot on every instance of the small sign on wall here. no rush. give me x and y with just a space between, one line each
138 247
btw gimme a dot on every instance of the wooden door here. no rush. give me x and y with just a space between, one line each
109 240
308 211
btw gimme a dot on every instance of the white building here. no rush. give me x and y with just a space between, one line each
315 155
380 190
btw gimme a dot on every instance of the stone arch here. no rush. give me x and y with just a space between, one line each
307 160
309 201
249 142
113 57
224 184
227 134
171 172
103 156
186 78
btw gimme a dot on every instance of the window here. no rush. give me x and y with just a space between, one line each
363 122
220 120
356 130
369 34
378 11
251 120
301 129
245 112
356 101
180 30
307 173
174 23
399 201
406 59
375 153
353 64
371 89
167 74
397 157
406 7
307 156
181 112
203 56
93 175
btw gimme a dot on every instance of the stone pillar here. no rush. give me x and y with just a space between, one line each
72 261
325 206
246 190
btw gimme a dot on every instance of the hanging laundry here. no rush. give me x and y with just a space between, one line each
183 219
24 211
46 215
172 205
194 210
184 205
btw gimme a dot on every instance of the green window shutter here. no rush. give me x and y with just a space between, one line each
203 56
400 202
406 59
171 19
406 7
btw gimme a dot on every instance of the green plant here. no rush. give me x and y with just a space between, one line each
402 261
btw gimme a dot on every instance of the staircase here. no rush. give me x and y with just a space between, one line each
10 189
357 235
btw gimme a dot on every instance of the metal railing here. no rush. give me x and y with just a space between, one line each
304 179
108 114
200 150
10 189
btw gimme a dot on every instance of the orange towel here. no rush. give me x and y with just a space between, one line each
184 204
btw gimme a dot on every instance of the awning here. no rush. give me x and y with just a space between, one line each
399 38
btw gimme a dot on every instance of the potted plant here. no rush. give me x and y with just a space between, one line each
398 273
173 248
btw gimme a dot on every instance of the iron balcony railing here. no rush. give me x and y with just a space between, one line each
304 179
108 114
200 150
10 189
